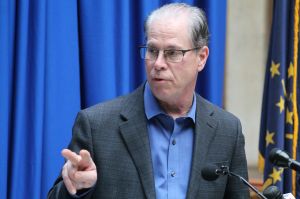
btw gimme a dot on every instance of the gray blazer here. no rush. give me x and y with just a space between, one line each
115 133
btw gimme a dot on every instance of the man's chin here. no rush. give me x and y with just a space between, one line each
163 95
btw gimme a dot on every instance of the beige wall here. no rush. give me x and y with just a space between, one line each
248 24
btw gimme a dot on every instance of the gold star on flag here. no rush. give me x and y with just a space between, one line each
291 70
280 104
269 138
276 175
274 69
289 136
289 117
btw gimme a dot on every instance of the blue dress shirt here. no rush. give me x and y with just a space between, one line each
171 143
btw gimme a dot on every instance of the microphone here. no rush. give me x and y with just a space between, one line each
282 159
272 192
211 172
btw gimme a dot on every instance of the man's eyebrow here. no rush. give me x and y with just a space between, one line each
173 47
151 45
170 47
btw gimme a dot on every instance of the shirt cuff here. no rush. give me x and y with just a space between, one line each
83 192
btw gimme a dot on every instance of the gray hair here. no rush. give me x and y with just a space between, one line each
199 32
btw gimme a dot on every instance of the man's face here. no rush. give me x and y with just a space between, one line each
169 81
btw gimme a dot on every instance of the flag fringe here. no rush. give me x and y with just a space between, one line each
296 121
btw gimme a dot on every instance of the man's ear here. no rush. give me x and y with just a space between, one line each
202 57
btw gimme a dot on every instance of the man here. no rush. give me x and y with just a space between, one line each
154 142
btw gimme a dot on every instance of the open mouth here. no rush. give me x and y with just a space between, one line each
158 79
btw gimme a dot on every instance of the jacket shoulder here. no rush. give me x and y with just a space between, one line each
111 110
215 110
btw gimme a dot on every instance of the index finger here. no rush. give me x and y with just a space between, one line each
86 159
72 156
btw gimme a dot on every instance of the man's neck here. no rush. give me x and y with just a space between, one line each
177 109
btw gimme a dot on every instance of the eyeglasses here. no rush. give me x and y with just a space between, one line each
171 55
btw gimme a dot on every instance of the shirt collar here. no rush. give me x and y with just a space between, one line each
152 107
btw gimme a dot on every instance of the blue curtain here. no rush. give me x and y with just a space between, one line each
57 57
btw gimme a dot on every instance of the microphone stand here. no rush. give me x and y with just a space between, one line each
225 170
248 184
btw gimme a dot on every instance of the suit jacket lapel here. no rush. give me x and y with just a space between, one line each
134 133
204 133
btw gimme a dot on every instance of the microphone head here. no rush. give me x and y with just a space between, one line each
272 192
279 158
209 172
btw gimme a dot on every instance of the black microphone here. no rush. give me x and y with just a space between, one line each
211 172
282 159
272 192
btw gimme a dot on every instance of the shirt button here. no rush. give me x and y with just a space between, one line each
173 174
174 142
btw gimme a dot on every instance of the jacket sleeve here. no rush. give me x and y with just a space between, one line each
81 139
235 188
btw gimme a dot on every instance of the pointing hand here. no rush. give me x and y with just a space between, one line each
79 171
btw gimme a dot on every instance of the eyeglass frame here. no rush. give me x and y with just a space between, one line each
182 51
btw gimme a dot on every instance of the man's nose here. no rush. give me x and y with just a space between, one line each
160 62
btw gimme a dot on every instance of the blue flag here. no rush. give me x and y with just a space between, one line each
279 119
